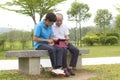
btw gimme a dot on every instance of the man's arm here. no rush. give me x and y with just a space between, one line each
35 38
67 37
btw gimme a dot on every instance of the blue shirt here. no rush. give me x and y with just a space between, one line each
43 32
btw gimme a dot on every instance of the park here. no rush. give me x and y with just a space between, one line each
98 44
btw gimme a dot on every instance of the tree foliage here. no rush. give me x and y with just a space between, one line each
78 12
117 24
102 18
31 7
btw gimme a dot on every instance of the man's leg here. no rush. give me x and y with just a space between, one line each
64 61
59 56
75 52
52 53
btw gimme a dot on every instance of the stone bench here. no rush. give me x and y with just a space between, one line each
29 60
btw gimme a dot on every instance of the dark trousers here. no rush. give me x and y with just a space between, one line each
61 54
64 60
52 53
75 53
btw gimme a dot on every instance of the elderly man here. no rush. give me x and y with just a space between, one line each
61 32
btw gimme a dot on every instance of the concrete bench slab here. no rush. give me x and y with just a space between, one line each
29 60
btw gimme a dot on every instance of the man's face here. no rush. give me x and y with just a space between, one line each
49 23
59 20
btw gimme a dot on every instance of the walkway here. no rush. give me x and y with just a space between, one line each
13 64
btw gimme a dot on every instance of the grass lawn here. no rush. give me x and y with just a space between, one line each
101 72
2 54
103 51
105 72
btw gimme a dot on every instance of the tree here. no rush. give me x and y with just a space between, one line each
23 41
11 38
102 18
79 12
2 42
31 7
117 24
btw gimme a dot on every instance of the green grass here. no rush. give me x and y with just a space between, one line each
16 75
105 72
101 72
13 75
2 55
103 51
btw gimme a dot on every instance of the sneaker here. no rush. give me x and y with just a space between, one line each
67 74
58 72
71 72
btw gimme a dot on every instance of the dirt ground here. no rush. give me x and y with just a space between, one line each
80 75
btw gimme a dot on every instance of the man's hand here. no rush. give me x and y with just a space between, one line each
50 41
66 42
51 44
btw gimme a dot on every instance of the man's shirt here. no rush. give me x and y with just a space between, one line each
60 32
43 32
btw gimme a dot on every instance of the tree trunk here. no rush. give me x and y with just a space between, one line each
33 17
40 17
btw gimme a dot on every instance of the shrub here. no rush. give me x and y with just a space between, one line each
113 34
111 40
90 40
102 40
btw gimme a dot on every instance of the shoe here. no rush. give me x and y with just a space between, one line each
58 72
67 74
71 72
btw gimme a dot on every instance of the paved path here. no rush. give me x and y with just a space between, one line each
13 64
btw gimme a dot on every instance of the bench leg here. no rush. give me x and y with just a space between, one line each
29 65
79 62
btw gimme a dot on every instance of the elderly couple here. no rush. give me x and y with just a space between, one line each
50 34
